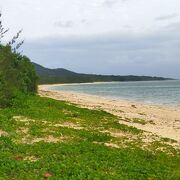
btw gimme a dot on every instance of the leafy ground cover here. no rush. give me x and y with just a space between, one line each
41 138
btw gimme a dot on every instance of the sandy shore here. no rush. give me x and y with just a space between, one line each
160 120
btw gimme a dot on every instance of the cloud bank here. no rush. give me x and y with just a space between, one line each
141 54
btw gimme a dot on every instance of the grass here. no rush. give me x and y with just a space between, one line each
51 138
140 121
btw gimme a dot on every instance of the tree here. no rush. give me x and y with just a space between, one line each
17 73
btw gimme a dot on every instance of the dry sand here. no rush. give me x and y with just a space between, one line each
160 120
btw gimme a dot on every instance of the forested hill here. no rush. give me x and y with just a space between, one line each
60 75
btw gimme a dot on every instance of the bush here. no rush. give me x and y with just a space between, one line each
17 75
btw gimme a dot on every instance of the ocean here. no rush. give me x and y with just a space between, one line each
152 92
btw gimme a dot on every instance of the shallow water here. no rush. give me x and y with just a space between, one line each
155 92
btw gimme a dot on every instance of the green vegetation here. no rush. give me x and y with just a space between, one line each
41 137
17 73
140 121
52 76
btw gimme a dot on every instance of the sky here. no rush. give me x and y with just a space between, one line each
120 37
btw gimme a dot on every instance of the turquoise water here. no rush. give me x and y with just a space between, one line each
155 92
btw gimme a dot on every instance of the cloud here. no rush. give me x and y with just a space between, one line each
69 24
109 3
64 24
148 54
84 21
173 26
166 17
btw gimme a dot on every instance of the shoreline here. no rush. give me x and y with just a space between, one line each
46 87
99 82
161 120
69 84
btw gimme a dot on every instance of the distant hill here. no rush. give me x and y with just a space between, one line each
60 75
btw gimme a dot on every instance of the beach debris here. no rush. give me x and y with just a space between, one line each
46 175
133 106
19 158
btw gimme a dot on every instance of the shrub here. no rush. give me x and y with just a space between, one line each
17 73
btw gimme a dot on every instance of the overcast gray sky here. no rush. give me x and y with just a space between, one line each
140 37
